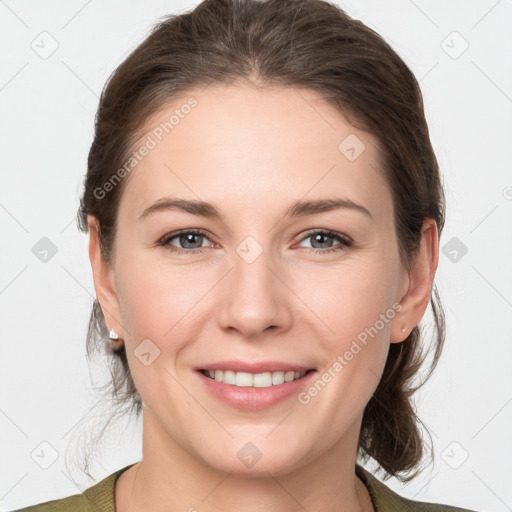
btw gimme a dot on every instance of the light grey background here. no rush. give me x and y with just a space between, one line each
47 108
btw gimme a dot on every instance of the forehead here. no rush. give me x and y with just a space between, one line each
240 145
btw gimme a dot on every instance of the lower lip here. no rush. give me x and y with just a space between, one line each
251 398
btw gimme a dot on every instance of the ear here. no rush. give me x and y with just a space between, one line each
421 277
104 283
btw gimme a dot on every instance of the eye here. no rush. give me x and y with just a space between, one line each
187 238
191 240
319 236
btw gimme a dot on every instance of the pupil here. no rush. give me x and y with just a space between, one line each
189 239
320 236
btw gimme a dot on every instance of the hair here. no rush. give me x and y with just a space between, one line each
309 44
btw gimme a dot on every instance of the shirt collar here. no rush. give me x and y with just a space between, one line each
101 495
383 498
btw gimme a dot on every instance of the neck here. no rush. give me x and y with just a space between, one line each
170 478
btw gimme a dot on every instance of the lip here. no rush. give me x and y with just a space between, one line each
255 367
252 398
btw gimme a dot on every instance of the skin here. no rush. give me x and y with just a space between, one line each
252 152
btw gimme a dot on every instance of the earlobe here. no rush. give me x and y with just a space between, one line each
403 331
103 280
421 277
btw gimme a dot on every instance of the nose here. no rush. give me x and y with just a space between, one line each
255 298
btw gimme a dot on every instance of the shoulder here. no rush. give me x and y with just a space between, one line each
386 500
98 497
73 503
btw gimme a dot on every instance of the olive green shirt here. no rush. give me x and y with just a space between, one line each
100 498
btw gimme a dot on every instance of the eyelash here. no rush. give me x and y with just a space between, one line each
345 241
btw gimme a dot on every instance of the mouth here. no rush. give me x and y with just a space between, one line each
254 386
255 380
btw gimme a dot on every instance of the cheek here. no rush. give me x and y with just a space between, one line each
355 349
353 307
348 299
157 307
157 298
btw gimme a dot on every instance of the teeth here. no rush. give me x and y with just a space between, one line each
288 376
243 379
277 378
257 380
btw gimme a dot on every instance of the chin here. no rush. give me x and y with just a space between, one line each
255 459
261 469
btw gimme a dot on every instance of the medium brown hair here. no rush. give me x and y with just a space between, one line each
310 44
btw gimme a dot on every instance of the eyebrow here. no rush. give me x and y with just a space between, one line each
298 209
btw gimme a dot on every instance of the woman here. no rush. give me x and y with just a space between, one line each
264 209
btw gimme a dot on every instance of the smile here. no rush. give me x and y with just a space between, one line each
256 380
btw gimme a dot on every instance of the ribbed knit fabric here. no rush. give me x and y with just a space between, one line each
386 500
100 498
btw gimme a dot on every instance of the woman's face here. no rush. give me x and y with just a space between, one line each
257 290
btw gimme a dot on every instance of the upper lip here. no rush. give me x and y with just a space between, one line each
255 367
